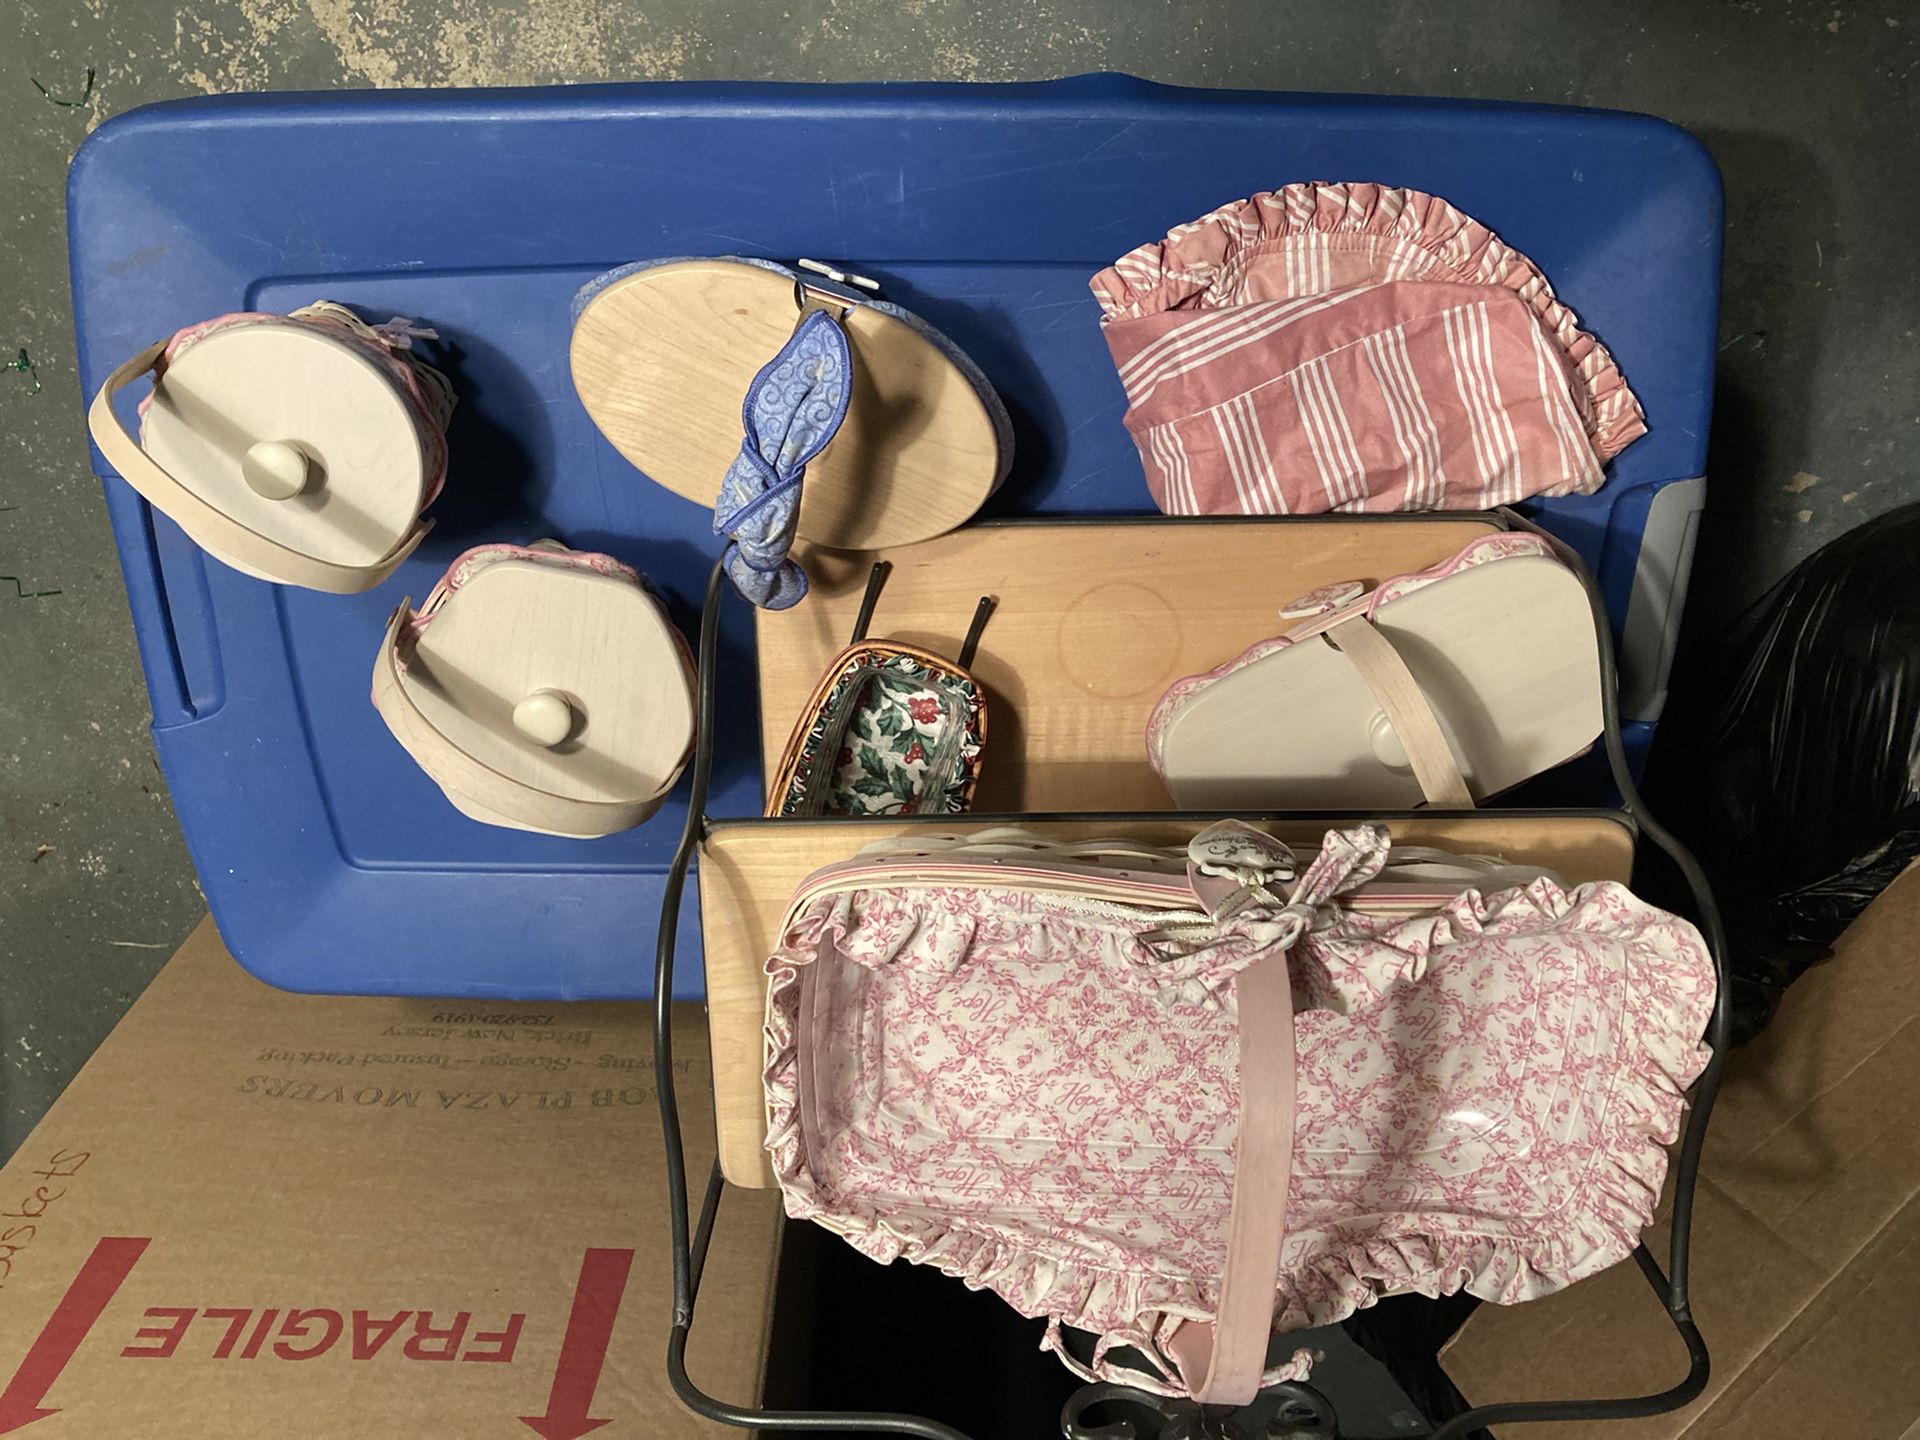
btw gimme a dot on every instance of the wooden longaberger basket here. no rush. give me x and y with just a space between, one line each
297 448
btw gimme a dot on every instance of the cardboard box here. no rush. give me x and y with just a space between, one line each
259 1214
1806 1250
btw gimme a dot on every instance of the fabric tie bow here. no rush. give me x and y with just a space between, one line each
399 333
1236 870
793 408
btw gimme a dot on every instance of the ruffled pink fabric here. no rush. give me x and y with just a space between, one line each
970 1079
1354 348
1339 236
470 562
429 396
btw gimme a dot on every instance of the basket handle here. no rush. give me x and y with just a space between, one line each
1434 764
211 527
1222 1362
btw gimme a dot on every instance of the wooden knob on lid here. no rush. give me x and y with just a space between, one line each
276 469
1387 746
545 717
332 462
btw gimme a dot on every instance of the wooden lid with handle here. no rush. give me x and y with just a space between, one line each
328 500
541 690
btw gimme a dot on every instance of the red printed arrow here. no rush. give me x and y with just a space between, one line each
596 1305
92 1289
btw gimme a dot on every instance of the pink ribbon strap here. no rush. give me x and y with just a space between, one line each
1222 1363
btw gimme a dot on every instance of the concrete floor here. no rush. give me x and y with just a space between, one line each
1810 108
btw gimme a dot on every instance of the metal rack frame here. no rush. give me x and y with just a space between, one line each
690 1237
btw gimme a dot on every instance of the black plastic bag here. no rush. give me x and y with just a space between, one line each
1789 761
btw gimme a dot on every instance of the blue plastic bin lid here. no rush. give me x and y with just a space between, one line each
330 861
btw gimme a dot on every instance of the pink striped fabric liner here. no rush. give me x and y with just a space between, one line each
1355 348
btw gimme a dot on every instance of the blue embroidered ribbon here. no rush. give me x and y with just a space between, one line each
793 408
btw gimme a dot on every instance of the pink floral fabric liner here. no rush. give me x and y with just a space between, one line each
1000 1083
429 395
1355 347
1484 551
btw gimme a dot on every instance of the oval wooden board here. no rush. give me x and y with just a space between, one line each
662 361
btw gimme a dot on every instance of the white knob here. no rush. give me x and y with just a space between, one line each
1387 748
276 469
544 717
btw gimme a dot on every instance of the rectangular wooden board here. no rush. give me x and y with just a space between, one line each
1095 619
750 869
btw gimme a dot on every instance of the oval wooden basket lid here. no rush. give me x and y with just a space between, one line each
541 688
663 356
1446 687
283 448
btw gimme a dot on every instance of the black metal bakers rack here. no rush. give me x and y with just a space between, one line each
1304 1411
